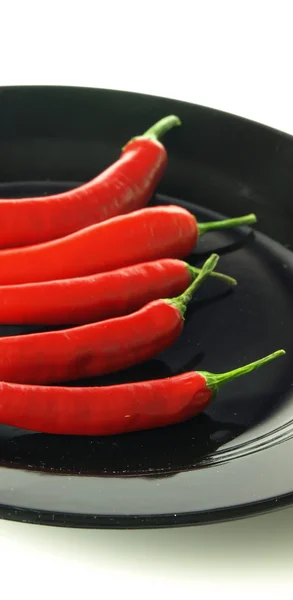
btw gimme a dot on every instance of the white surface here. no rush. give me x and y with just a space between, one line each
236 56
225 559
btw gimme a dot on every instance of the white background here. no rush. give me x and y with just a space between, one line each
236 56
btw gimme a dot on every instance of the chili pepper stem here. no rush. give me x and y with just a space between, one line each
182 301
158 129
161 127
214 381
194 272
226 224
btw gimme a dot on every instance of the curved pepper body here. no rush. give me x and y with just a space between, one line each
104 410
141 236
126 185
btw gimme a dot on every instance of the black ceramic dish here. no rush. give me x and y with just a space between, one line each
236 458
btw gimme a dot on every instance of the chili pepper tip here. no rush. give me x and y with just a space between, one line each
194 272
161 127
158 129
181 302
226 224
214 381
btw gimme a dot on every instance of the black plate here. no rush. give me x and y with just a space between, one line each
236 458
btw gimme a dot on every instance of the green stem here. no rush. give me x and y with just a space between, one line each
158 129
161 127
194 272
181 301
226 224
215 381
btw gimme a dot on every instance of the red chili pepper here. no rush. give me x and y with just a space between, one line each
96 297
144 235
114 409
125 186
98 348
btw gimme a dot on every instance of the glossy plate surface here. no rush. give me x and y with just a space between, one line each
234 459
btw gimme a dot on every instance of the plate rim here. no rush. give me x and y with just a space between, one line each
91 89
156 521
